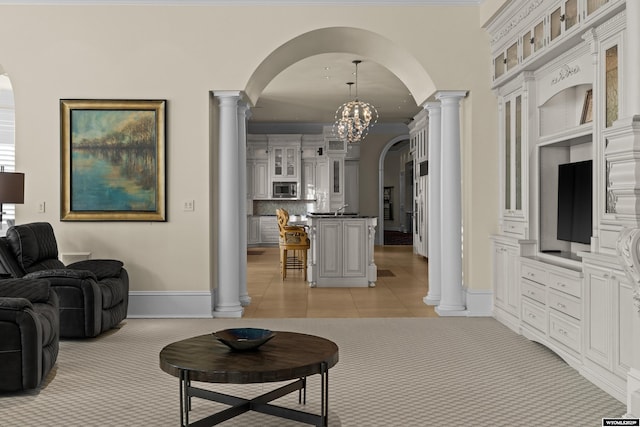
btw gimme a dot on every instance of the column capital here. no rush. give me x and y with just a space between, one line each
449 94
227 93
431 105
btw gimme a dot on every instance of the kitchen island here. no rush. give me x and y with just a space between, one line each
341 253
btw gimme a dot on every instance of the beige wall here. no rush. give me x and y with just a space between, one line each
181 54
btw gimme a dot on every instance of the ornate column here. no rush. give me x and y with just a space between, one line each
452 297
243 115
226 205
433 205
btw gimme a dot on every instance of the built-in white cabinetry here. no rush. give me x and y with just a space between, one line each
551 306
506 273
608 323
513 107
418 147
557 77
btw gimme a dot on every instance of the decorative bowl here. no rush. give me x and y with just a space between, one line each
242 339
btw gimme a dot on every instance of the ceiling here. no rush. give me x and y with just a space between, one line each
311 90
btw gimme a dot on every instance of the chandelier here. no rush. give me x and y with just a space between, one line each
354 118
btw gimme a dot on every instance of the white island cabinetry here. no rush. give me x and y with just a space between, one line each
341 253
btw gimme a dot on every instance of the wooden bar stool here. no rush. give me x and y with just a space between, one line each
292 238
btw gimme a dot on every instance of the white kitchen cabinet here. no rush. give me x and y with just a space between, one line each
253 230
308 179
269 232
506 280
342 251
285 162
259 179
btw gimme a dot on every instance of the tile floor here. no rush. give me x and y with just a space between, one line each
399 295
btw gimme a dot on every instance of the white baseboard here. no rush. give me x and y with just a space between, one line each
150 304
479 303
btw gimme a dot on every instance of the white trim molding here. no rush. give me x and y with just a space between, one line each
479 303
154 304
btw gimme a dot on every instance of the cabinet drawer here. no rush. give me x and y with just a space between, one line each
569 285
533 290
533 273
565 303
565 331
534 315
514 229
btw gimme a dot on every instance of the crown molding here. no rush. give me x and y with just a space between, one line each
242 2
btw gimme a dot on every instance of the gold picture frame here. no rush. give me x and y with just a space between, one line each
587 108
112 160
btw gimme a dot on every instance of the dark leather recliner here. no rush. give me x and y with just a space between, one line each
29 333
94 294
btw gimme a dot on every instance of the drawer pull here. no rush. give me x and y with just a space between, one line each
562 285
562 332
561 305
531 315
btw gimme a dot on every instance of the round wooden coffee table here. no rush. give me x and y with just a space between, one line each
288 356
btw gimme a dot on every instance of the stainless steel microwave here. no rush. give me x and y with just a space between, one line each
285 190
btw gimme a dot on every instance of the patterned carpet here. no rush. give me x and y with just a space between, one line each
392 372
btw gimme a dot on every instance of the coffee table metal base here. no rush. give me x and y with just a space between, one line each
258 404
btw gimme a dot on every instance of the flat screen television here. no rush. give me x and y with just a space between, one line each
575 201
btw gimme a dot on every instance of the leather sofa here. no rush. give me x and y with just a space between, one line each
94 294
29 333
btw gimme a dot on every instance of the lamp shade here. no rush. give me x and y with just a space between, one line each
11 187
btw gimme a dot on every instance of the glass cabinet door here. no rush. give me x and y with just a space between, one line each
538 36
514 157
291 162
498 66
556 23
512 56
570 13
277 162
527 44
593 5
285 160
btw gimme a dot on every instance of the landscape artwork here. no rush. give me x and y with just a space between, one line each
113 160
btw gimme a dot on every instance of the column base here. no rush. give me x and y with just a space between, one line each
431 300
228 312
451 311
245 300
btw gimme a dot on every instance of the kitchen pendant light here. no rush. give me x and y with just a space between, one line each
353 119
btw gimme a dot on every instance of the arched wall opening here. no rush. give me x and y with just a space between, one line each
344 40
353 41
7 141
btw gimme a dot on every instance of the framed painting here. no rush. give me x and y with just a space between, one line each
112 160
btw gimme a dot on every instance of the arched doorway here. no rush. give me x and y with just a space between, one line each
337 39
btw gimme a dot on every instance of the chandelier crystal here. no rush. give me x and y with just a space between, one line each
353 119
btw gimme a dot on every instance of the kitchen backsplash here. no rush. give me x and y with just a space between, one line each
294 207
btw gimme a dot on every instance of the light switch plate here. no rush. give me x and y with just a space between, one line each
41 207
189 206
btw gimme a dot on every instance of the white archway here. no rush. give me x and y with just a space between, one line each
344 40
